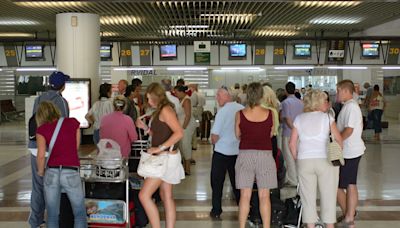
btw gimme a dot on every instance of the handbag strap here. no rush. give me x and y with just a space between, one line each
54 137
331 137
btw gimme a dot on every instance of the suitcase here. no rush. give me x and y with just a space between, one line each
66 217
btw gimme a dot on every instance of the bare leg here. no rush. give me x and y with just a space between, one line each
265 206
244 206
145 195
341 198
310 225
169 204
329 225
352 201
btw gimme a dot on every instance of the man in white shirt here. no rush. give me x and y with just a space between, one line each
226 149
350 125
166 83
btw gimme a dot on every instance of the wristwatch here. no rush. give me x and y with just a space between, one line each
162 147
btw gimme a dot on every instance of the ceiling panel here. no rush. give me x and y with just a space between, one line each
222 20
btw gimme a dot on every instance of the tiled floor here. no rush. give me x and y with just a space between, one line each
379 183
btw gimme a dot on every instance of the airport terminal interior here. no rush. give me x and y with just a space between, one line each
212 44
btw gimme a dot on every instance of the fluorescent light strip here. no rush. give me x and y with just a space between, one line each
294 68
241 68
132 68
390 68
196 75
37 69
348 68
186 68
197 79
188 26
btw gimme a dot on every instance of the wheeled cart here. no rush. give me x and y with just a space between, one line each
106 186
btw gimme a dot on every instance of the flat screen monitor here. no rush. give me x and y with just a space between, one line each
168 51
237 50
370 50
105 52
77 93
302 50
34 51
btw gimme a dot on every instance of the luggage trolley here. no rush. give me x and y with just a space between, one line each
103 210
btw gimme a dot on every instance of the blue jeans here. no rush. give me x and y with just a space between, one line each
376 115
69 181
36 216
96 136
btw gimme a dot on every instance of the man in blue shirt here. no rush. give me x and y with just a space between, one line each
226 149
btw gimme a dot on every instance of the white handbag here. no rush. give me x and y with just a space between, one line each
335 153
153 166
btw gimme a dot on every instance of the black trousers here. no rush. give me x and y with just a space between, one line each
219 166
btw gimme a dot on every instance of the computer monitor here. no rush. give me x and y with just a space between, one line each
370 50
237 51
168 52
302 50
34 52
106 52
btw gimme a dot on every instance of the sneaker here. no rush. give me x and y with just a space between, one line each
215 216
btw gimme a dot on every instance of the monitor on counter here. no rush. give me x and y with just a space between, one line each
34 52
370 50
77 93
168 52
237 51
302 50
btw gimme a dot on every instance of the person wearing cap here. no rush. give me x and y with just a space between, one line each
119 127
57 84
308 145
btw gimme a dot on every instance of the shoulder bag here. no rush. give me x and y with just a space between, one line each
54 137
153 166
335 153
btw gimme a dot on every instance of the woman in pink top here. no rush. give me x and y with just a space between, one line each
119 127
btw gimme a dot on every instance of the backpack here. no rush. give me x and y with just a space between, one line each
32 126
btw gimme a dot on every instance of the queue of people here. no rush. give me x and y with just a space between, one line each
244 136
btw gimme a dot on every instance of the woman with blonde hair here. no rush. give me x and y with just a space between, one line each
165 132
254 128
376 106
62 170
308 145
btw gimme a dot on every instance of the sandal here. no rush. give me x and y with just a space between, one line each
343 223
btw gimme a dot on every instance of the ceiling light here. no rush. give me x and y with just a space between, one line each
186 68
347 67
326 3
119 20
390 68
1 69
16 34
36 69
51 4
241 68
294 68
14 22
331 20
132 68
109 34
273 32
188 26
228 15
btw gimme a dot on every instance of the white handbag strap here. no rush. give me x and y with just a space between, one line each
54 137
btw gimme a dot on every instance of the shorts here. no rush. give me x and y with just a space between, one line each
348 172
174 173
258 166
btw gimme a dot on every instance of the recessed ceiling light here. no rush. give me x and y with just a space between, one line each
16 34
188 26
329 20
119 20
51 4
326 3
109 34
272 32
13 22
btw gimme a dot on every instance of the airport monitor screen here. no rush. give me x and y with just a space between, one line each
77 93
168 51
302 50
370 50
237 50
105 52
34 51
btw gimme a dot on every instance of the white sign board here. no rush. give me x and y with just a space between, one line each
202 46
336 54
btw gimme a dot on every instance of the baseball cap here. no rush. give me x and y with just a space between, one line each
57 79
